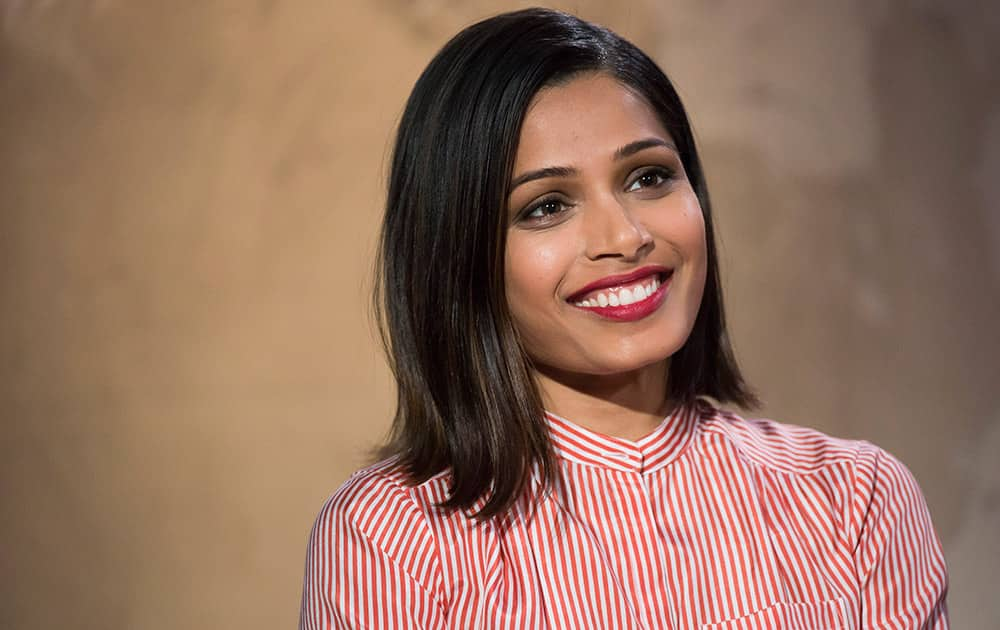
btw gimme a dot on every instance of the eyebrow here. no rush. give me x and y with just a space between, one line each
565 171
634 147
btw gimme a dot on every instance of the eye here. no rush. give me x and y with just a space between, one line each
544 210
650 178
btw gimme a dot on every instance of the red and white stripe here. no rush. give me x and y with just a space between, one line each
710 522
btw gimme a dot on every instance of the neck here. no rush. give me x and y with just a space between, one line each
627 405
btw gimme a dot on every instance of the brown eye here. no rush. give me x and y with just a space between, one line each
544 211
545 208
650 178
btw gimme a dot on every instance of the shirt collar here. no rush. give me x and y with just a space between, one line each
663 445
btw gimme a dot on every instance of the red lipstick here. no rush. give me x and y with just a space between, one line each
607 305
609 282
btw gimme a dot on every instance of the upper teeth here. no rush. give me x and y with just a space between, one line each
623 296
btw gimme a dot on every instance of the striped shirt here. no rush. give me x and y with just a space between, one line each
712 521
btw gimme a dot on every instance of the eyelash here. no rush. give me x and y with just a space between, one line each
530 210
665 175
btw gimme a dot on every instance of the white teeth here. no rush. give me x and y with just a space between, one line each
622 297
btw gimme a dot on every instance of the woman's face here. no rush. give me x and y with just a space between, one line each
606 259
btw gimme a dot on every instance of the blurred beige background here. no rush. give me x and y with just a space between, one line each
189 196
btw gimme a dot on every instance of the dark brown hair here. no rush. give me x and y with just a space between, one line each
466 401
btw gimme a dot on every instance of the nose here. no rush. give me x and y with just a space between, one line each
614 231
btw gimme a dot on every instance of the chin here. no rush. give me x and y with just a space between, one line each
624 362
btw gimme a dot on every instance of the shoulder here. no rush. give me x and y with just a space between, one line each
873 489
376 502
786 447
873 478
371 535
886 490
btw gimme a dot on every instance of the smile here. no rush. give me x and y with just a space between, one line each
625 298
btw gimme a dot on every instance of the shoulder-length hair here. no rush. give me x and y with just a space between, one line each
466 400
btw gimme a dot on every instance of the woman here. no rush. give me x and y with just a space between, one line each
549 290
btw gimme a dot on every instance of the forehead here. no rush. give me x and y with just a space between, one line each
589 116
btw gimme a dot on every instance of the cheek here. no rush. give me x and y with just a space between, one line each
689 228
681 225
697 253
533 268
697 232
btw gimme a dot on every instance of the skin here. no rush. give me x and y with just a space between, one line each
600 215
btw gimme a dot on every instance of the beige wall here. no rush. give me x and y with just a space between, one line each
189 194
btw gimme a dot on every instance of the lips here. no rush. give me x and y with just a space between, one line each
621 296
625 298
622 288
